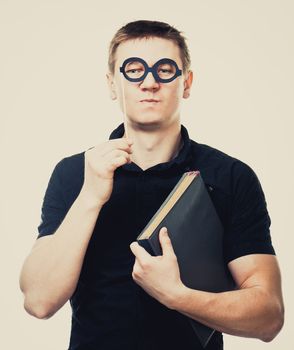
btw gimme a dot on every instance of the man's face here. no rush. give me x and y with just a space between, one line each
168 95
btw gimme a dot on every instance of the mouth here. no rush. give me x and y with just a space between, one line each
151 100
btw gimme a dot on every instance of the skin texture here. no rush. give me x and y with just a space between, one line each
154 128
144 116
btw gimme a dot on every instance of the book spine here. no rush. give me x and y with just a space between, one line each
145 243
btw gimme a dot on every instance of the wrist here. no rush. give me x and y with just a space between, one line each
89 198
178 297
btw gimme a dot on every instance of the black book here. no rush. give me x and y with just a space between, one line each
196 233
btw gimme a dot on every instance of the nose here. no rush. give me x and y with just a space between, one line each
149 82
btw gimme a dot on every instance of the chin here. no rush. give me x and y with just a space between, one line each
146 125
146 122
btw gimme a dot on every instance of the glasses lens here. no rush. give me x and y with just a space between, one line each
166 70
134 69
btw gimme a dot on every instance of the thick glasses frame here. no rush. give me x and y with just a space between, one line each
152 69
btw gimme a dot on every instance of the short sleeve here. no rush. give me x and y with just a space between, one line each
53 208
249 225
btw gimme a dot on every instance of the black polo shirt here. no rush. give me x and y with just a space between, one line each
109 310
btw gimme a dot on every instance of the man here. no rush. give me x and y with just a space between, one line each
98 201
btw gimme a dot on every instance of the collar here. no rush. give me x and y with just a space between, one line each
180 162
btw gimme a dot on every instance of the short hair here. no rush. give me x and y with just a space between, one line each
148 29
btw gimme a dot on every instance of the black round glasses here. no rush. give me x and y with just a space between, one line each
135 69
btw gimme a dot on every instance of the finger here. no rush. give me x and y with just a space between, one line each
108 146
120 140
117 157
121 144
113 163
165 241
116 153
140 253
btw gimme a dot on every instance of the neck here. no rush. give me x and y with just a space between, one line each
151 147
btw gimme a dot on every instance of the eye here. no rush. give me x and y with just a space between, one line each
164 70
134 70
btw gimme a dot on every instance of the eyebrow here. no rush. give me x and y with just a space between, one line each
151 65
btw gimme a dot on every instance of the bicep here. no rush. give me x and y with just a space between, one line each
41 241
257 270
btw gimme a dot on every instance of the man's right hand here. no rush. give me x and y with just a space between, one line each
45 290
100 163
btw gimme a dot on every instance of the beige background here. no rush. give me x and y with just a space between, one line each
54 102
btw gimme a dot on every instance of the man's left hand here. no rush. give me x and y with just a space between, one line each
159 276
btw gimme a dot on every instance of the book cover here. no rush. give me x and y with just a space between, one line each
196 233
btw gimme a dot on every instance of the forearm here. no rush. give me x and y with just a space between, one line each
50 273
246 312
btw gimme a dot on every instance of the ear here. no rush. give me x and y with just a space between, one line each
187 84
111 86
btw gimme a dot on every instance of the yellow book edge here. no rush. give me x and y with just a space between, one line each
169 205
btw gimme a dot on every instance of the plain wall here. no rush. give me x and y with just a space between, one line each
55 102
